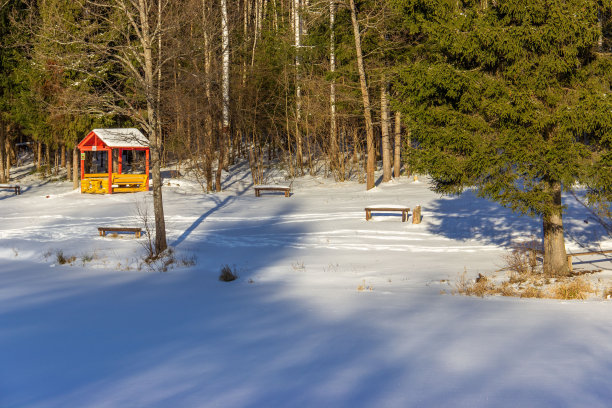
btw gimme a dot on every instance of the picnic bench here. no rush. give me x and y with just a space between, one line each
260 188
387 208
14 187
128 183
103 230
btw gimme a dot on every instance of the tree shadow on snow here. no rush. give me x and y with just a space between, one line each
467 217
76 337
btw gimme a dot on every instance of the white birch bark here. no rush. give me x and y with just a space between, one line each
335 159
225 94
298 90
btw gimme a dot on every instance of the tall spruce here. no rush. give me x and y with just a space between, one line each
511 98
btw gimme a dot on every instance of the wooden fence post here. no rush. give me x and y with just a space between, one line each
416 215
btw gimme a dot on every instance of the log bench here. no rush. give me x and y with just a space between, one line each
387 208
259 189
15 187
103 230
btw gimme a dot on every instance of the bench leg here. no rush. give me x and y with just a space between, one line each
569 263
256 193
138 234
286 193
404 216
368 215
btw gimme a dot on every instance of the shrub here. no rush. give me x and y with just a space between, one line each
227 274
532 292
62 259
575 289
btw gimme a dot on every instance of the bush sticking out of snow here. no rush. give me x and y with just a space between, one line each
577 288
522 262
227 274
62 259
364 287
530 285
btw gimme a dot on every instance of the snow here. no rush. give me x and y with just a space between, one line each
122 137
271 186
293 330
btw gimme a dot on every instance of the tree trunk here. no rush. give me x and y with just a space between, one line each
397 164
555 257
297 29
367 111
10 153
48 159
38 155
75 168
384 124
225 125
333 142
155 137
63 155
3 178
68 166
600 32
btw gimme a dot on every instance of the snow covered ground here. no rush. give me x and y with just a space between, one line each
293 330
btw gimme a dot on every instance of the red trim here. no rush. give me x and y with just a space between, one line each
147 167
82 169
110 171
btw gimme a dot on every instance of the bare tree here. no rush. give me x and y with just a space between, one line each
367 110
384 124
333 134
397 164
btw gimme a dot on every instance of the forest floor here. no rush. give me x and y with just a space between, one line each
328 309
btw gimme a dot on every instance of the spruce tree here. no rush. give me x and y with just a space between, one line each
512 98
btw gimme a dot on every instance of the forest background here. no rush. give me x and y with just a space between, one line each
511 97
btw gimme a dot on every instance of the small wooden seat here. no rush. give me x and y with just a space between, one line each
15 187
403 210
103 230
259 189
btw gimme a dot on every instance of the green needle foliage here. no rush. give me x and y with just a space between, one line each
512 97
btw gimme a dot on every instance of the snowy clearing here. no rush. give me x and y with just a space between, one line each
293 330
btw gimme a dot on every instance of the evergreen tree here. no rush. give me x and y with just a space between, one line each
514 99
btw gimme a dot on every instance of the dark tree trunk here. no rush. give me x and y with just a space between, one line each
3 178
75 168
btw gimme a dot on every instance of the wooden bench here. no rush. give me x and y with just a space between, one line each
104 230
128 183
387 208
14 187
259 189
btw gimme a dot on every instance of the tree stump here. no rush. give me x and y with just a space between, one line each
416 215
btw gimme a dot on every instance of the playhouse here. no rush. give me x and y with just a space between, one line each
114 161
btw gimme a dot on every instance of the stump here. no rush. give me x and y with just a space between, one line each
416 215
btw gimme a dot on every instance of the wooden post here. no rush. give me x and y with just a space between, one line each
147 169
82 165
416 215
109 166
120 161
